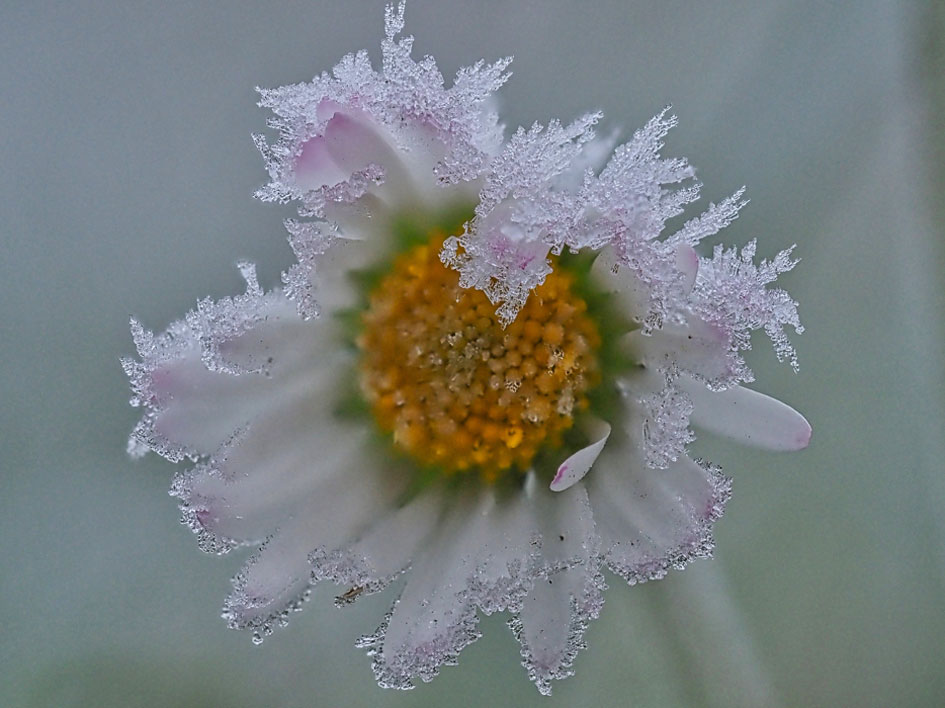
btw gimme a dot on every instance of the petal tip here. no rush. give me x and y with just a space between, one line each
803 436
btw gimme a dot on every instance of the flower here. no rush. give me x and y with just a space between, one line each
481 378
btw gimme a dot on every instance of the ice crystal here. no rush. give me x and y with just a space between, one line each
666 430
309 241
731 292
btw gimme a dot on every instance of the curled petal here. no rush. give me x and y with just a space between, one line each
315 167
573 469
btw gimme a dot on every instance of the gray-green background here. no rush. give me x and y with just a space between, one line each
127 170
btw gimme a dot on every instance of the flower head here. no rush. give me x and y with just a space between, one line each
481 378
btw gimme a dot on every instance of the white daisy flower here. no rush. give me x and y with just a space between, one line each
481 379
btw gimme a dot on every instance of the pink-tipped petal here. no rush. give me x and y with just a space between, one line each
748 417
653 520
573 469
277 578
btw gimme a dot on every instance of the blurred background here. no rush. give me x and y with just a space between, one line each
127 174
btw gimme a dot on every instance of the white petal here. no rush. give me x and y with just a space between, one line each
632 294
565 522
537 533
567 594
281 344
432 621
277 577
748 417
283 357
201 409
652 520
697 347
487 554
387 547
573 469
502 562
259 603
269 474
553 620
354 142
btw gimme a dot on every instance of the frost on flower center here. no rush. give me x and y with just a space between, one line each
457 391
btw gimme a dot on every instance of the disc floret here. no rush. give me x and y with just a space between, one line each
456 389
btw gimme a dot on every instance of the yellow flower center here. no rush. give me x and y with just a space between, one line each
456 390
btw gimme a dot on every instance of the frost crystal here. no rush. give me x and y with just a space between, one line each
666 431
731 292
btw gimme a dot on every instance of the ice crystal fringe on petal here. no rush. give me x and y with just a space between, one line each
488 556
552 624
275 579
177 353
731 292
383 552
666 427
520 216
563 600
657 520
432 620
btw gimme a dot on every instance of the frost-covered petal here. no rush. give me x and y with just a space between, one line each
568 593
315 167
220 375
354 143
267 475
487 555
521 216
606 273
191 410
432 620
664 429
278 576
732 292
748 417
651 520
553 620
264 595
697 347
383 551
401 118
201 410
